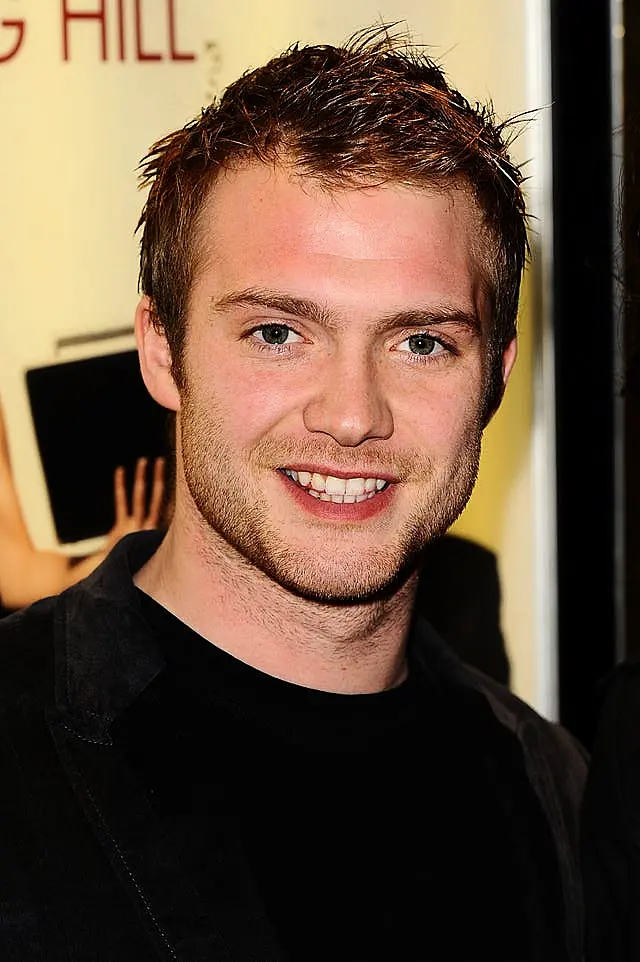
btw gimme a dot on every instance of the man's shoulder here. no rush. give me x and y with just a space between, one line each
556 762
27 656
526 722
88 632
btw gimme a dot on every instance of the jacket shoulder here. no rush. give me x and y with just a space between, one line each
27 656
547 744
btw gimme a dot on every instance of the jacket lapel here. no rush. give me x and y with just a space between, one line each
192 907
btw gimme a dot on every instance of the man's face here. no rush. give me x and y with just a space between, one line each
334 370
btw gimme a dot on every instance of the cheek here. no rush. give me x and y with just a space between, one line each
444 404
249 402
441 429
441 419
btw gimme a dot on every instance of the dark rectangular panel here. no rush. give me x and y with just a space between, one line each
90 416
584 337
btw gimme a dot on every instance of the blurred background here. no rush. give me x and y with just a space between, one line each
86 86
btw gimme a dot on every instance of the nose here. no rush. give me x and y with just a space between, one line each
349 404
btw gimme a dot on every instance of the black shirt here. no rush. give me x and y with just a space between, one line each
369 825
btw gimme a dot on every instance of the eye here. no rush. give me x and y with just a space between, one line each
422 344
276 335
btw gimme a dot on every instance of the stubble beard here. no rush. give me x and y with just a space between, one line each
234 512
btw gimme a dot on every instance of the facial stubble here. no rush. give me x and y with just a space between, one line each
236 512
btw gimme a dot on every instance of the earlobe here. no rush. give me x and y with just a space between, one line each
155 358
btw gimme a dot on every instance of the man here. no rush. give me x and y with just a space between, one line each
234 743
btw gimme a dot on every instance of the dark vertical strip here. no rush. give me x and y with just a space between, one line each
584 346
631 240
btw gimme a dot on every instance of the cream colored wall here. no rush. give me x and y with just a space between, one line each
73 132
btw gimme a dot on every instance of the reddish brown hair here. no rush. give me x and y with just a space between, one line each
375 110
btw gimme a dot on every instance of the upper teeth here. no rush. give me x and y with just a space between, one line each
328 484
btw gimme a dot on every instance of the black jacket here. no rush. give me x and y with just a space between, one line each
86 870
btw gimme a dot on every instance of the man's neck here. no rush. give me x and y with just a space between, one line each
343 648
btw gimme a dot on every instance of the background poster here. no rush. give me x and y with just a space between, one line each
86 86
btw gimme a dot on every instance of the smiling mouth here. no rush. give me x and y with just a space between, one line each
326 487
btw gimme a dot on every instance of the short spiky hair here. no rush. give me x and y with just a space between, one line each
375 110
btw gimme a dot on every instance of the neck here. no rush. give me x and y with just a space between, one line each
343 648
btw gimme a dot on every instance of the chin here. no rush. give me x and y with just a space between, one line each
342 587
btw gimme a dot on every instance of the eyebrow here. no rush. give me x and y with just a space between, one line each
310 310
275 301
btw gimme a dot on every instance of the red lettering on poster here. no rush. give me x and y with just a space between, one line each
68 15
175 54
20 27
142 54
130 17
121 41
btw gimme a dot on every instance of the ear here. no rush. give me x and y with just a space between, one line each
508 360
155 358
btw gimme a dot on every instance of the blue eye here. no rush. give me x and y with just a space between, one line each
276 334
422 344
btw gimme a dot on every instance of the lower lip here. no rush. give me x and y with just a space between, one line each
330 511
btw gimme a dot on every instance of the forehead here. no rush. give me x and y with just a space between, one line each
268 226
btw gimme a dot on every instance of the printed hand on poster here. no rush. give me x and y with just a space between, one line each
27 573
